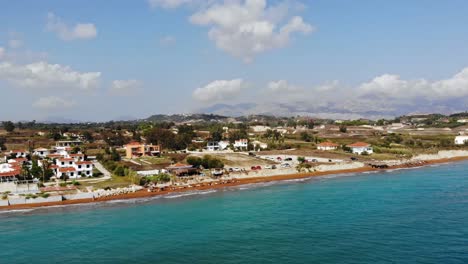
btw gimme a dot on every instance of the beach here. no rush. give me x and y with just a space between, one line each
413 163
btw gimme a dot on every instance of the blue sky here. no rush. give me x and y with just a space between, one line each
327 58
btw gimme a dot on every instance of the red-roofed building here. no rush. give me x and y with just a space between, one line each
360 148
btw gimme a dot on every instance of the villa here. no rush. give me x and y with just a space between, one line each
72 169
19 153
461 140
360 148
214 145
241 144
136 149
9 172
327 146
41 152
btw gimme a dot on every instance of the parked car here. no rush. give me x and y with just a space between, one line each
273 167
314 160
354 158
288 159
269 167
237 169
252 154
285 165
231 170
279 158
256 168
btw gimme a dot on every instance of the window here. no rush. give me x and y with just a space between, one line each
63 163
79 166
71 173
87 166
79 173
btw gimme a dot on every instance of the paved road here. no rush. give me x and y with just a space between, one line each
105 172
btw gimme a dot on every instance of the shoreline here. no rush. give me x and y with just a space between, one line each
237 182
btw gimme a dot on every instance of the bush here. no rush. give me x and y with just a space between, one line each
44 195
76 183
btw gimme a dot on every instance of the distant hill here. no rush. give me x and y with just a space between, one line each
178 118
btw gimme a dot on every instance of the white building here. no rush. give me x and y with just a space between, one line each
214 145
327 146
259 145
41 152
461 140
241 144
260 129
72 169
361 147
19 153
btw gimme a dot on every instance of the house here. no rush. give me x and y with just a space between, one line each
72 169
136 149
461 140
260 129
360 148
180 169
327 146
41 152
259 145
68 143
9 172
19 153
214 145
241 144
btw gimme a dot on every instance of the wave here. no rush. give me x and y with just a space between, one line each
15 211
178 195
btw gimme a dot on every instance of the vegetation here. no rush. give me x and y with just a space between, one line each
207 162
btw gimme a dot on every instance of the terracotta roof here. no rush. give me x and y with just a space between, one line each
18 150
83 162
66 159
54 166
76 155
41 149
359 145
20 160
14 172
68 169
327 144
54 155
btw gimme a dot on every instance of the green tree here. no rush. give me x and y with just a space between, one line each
343 129
2 143
9 126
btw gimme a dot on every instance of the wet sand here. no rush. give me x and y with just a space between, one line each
144 193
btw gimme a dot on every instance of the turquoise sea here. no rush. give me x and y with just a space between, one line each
406 216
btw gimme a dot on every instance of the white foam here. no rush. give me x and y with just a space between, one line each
178 195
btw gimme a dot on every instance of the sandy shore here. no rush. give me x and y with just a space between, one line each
144 193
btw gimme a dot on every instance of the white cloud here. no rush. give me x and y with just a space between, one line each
167 41
65 32
125 87
247 28
219 90
383 96
392 86
282 86
168 3
2 52
53 102
45 75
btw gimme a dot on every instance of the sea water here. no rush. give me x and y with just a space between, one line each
406 216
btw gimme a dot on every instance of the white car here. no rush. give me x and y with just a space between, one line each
268 167
285 165
236 169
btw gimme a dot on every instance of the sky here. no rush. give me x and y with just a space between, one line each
98 60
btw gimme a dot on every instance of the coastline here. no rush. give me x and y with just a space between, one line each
237 182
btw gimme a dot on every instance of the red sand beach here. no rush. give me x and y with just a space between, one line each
144 193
